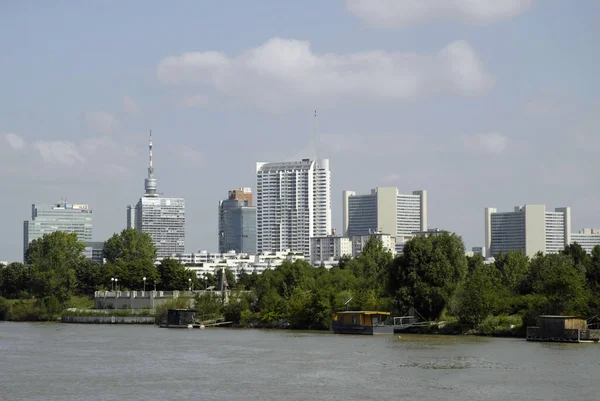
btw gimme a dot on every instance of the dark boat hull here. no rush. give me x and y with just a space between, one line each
362 329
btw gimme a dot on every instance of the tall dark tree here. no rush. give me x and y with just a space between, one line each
512 269
16 281
128 246
53 260
427 274
580 257
131 256
172 275
555 277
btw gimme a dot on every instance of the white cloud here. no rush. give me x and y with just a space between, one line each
284 73
15 141
59 152
402 13
493 143
130 106
102 121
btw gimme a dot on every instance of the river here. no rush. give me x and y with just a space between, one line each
52 361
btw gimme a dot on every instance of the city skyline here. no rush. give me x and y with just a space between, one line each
224 87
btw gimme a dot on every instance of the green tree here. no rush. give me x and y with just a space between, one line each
53 260
593 272
580 257
555 277
426 275
15 280
89 277
512 269
173 275
130 256
128 246
4 308
476 296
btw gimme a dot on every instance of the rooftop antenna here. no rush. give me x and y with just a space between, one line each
315 138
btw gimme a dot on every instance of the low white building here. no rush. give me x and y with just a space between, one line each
359 242
204 262
588 238
329 248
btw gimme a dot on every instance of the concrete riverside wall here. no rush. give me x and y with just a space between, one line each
108 319
139 299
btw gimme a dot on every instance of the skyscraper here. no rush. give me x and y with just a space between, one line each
161 217
62 216
530 228
237 222
385 210
293 204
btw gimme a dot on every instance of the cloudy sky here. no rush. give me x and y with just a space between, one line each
481 102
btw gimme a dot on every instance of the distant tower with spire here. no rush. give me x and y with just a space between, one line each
150 183
161 217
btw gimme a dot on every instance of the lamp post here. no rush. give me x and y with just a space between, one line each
116 284
144 284
189 284
205 281
112 283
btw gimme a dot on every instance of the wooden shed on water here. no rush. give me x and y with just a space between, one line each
562 329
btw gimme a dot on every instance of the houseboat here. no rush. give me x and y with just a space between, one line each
361 322
570 329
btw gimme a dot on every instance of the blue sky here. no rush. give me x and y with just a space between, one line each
481 102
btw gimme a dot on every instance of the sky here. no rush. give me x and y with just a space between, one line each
483 103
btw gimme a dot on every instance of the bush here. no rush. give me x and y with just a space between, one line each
4 308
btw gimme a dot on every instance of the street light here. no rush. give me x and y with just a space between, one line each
112 283
117 284
144 284
190 284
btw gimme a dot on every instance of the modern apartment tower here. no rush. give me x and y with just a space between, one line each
161 217
529 228
293 204
385 210
62 216
237 222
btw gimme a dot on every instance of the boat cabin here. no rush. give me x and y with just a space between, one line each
361 322
562 329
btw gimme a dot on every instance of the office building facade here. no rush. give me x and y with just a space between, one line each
163 218
48 218
237 222
529 228
588 238
293 204
329 248
386 210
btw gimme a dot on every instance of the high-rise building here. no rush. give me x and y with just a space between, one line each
62 216
530 228
161 217
386 210
237 222
293 204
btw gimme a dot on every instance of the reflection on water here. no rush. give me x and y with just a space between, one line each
102 362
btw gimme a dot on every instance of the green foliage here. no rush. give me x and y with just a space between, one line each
476 296
129 246
427 274
162 310
556 277
172 275
208 305
4 308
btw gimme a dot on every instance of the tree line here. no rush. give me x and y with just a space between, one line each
432 275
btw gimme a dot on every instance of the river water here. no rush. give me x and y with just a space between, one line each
55 361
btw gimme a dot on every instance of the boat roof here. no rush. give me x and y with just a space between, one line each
560 317
363 312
